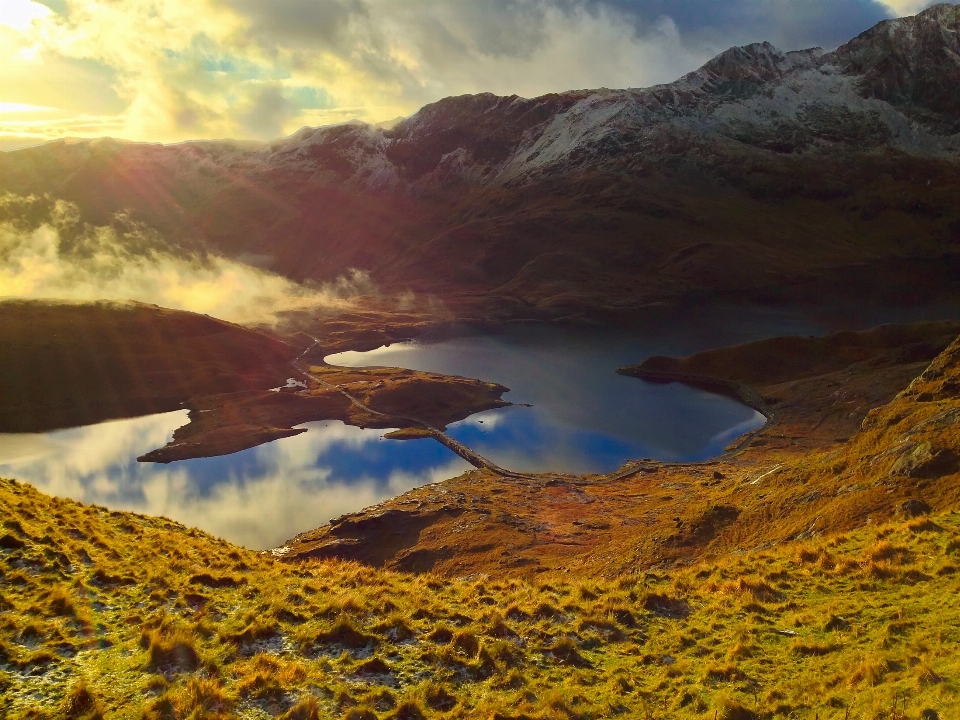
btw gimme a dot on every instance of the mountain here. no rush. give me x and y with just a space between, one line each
763 176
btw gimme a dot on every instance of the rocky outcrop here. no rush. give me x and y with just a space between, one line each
373 537
913 64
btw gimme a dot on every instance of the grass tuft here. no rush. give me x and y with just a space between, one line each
171 650
81 704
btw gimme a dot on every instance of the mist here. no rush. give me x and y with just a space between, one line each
47 253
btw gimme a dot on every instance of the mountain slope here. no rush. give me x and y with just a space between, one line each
763 175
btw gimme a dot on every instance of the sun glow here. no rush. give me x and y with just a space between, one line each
19 14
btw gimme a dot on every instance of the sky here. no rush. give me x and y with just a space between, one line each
175 70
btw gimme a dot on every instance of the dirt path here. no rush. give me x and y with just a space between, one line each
456 446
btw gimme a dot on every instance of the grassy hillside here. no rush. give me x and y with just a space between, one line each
114 615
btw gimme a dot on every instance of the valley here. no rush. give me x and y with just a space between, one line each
776 485
637 403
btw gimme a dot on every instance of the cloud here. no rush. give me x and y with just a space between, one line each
554 51
46 253
308 22
269 111
19 14
180 69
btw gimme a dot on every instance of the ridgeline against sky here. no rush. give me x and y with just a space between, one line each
170 70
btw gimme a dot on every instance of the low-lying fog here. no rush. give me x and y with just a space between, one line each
47 253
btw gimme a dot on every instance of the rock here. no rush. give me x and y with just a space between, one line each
342 549
913 508
387 522
924 460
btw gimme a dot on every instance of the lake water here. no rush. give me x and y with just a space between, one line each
257 497
584 418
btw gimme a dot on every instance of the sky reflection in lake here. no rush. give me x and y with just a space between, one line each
585 418
257 498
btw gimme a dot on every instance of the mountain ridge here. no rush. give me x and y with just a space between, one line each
584 202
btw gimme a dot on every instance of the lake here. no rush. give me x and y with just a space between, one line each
584 417
257 497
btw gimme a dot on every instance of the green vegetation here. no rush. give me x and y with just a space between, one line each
109 614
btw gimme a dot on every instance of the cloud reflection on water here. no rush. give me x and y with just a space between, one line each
258 498
585 418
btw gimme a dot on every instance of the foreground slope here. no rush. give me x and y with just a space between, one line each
114 615
763 175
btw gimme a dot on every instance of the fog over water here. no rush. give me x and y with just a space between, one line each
46 252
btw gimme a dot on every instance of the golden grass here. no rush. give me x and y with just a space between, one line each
207 630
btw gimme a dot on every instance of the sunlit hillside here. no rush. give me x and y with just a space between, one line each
116 615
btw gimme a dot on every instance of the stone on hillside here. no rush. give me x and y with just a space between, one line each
913 508
926 461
